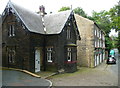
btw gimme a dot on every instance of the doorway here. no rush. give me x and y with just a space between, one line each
37 60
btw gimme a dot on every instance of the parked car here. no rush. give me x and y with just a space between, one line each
111 60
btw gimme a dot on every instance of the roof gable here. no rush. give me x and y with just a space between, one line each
54 23
31 20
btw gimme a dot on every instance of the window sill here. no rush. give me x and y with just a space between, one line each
70 62
49 61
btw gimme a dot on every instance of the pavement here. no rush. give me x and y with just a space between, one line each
18 78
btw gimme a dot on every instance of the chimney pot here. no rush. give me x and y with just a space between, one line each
42 10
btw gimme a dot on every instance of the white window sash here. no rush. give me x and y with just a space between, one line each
11 30
49 54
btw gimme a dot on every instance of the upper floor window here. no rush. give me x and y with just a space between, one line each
49 54
95 32
68 32
103 37
11 31
69 54
98 43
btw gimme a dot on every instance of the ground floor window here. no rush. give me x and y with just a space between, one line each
69 54
11 54
49 54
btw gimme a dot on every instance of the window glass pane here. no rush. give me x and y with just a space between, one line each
49 54
11 30
69 55
68 33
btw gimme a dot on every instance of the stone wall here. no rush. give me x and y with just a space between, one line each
85 46
91 48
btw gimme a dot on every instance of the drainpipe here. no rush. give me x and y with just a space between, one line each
44 53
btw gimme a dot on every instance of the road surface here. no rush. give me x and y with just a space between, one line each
103 75
17 78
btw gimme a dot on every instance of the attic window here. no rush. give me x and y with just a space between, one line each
68 33
11 31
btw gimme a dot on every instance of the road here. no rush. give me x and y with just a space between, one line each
114 68
17 78
103 75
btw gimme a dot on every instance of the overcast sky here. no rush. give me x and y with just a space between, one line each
54 5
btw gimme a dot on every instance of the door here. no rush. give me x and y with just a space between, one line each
98 59
37 60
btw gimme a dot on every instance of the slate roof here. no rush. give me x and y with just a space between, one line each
54 23
32 21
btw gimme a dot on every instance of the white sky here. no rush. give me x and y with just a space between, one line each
113 33
54 5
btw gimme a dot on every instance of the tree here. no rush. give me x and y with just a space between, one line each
114 14
102 19
77 10
115 17
64 9
80 12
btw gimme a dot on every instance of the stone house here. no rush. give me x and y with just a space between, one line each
91 48
36 42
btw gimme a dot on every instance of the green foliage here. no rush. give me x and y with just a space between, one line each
80 12
114 14
115 17
102 19
108 43
64 9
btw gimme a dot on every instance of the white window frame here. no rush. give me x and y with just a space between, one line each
100 34
95 32
49 54
103 37
69 54
11 31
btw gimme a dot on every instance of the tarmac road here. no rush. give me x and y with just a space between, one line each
114 68
17 78
105 76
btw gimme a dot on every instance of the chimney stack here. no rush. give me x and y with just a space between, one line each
42 10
